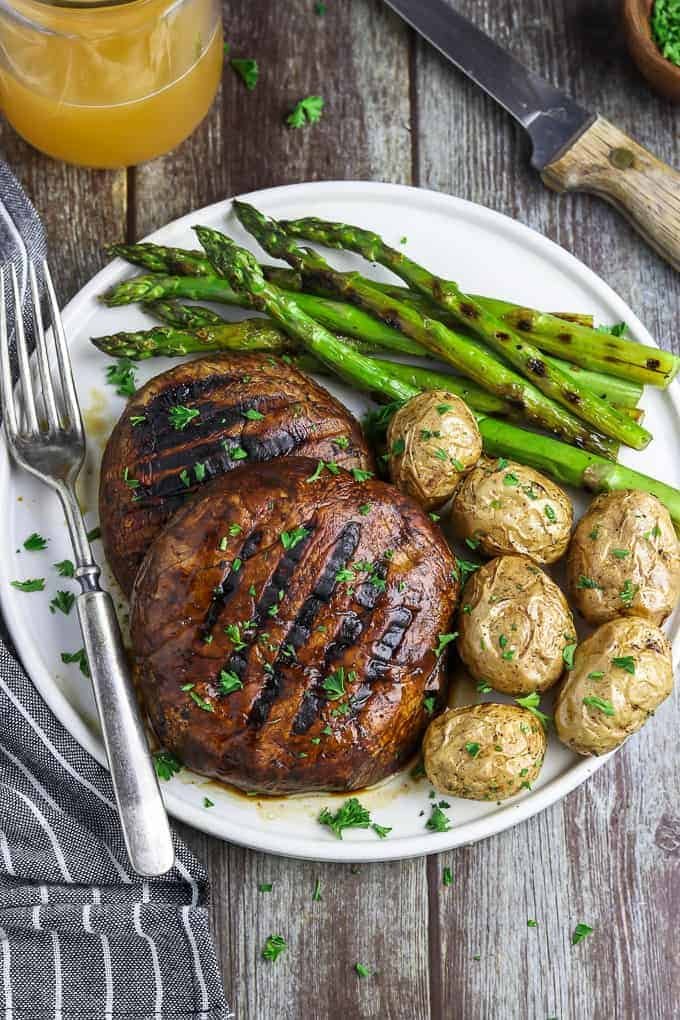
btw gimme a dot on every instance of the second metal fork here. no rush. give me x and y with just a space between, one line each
45 436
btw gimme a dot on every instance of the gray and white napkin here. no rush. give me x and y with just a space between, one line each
81 936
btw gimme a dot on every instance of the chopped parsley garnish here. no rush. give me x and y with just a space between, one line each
184 477
550 513
665 24
429 704
434 517
597 675
334 684
620 553
247 70
199 471
273 947
180 416
206 706
381 831
483 687
316 895
443 640
252 414
588 582
531 702
341 441
592 701
568 655
166 765
440 453
466 568
289 539
594 534
628 592
94 533
359 475
132 483
65 568
207 802
235 530
307 111
438 821
137 419
345 574
580 932
365 509
238 453
229 682
80 657
472 748
62 601
447 876
398 447
361 970
224 542
472 543
444 408
122 376
626 662
35 542
265 886
31 584
618 328
351 815
510 479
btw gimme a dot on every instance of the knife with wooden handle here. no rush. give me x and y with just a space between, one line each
573 150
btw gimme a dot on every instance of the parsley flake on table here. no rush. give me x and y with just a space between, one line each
229 682
247 70
361 970
443 640
122 376
351 815
289 539
447 876
438 821
592 701
531 702
65 568
531 923
307 111
580 932
626 662
31 584
273 947
265 886
181 416
62 601
80 657
316 895
35 542
166 765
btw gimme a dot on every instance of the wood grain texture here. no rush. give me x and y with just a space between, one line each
607 162
608 855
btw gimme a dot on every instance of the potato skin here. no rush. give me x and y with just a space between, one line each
509 508
513 626
626 545
588 729
416 437
512 745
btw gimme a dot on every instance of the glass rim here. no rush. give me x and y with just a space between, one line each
28 12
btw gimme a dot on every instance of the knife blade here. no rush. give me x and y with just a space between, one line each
572 148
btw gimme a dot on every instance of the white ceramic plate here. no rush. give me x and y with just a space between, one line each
487 253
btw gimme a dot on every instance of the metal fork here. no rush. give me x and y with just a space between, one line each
51 445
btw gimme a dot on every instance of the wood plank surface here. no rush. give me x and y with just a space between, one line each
608 855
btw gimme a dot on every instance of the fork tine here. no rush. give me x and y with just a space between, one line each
9 414
43 357
63 357
22 354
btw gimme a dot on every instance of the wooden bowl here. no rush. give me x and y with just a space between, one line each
661 74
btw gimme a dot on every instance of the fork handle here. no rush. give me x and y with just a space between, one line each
142 814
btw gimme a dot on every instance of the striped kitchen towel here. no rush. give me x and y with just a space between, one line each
81 936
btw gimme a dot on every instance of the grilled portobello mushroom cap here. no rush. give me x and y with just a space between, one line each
284 625
251 407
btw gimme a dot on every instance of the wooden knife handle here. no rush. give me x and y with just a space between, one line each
608 163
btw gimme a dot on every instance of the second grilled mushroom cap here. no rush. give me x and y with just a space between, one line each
514 626
624 559
431 442
505 507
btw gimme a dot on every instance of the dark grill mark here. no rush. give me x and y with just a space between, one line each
572 397
536 366
301 627
653 364
469 311
564 337
502 336
524 325
224 591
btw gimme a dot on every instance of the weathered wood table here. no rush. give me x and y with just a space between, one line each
609 854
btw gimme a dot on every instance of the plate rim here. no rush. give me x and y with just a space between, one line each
264 837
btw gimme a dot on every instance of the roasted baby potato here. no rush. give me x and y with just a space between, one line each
621 674
624 559
431 442
513 626
504 507
484 752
